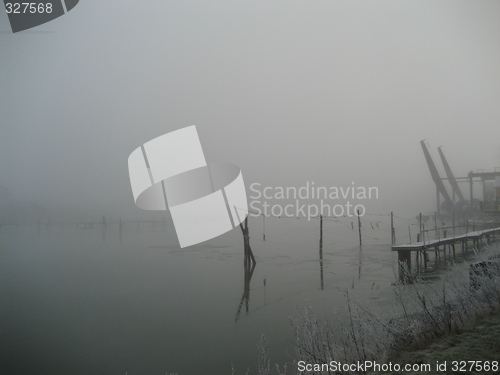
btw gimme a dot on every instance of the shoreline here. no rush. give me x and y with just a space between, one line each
478 343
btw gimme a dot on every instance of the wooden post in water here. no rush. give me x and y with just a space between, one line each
248 273
393 232
392 229
359 230
417 260
321 232
263 227
248 256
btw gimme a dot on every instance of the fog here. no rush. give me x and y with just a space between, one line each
330 92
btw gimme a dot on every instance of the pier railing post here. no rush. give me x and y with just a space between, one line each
436 231
420 225
453 224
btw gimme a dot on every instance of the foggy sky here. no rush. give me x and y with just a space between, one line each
330 92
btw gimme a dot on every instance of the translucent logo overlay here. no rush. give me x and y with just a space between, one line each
205 199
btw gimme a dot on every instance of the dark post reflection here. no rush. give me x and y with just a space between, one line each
249 268
321 252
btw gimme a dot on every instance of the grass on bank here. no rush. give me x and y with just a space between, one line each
423 313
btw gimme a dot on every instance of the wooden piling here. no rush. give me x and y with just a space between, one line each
263 227
436 232
321 232
404 261
359 230
248 254
418 254
393 233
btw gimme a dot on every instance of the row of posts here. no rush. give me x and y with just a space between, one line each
321 230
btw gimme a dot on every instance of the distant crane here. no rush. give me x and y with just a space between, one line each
440 188
451 177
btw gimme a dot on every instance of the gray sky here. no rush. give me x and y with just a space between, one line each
331 92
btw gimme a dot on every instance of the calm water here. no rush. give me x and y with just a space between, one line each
80 301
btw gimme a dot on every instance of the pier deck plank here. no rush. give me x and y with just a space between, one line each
445 241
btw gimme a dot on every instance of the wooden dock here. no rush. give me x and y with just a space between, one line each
440 247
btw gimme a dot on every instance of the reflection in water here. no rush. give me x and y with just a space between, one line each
44 276
321 251
248 258
103 229
360 265
321 263
249 268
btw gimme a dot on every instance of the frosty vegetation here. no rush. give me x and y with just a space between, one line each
423 311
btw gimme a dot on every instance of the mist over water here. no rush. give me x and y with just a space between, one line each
91 298
290 92
84 303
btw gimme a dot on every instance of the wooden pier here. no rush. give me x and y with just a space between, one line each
440 247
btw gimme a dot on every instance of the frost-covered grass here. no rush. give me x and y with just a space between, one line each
480 344
422 312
